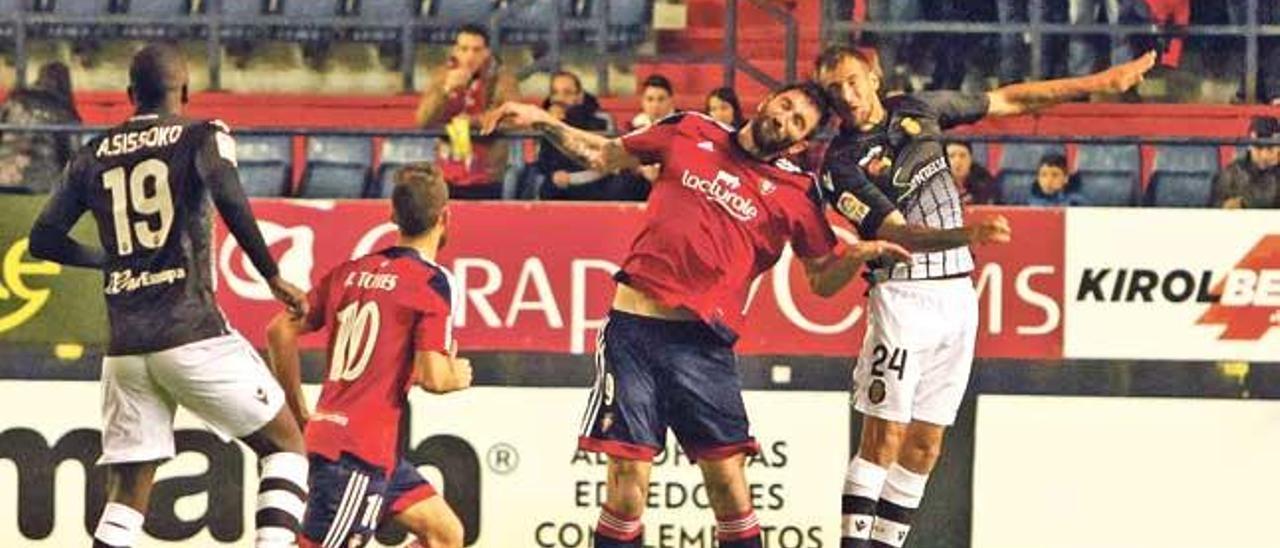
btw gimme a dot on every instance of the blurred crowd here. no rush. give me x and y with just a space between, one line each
945 61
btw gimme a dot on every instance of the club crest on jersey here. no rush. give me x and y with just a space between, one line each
852 208
767 187
723 190
911 126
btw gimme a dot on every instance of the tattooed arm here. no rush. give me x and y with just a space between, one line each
1029 96
593 150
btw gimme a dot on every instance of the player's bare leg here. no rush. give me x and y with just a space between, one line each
885 482
626 491
128 491
433 522
736 523
282 487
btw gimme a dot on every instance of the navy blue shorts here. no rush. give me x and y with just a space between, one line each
349 498
654 374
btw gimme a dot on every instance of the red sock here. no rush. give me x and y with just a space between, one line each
741 530
618 527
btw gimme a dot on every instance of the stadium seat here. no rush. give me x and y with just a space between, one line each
1015 186
389 15
1108 188
337 167
238 18
531 21
1186 159
398 151
298 25
73 8
1180 190
265 163
447 15
158 8
1026 156
1109 158
628 19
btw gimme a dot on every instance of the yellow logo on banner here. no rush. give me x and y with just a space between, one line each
12 271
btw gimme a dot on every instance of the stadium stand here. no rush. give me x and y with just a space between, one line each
1182 175
1017 169
1109 174
265 163
337 167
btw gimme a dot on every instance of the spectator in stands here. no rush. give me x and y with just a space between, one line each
559 176
1014 56
1053 187
975 183
32 162
723 105
657 101
955 56
467 85
1252 181
1268 47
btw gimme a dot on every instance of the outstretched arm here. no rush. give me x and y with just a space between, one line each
992 230
828 275
595 151
1030 96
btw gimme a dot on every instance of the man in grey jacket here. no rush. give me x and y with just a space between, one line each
1252 181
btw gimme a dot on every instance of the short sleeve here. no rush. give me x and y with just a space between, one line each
317 301
955 108
811 234
433 327
649 144
851 193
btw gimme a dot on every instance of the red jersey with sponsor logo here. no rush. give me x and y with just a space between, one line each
717 219
380 309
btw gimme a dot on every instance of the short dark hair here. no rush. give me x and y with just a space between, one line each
820 97
833 55
155 71
1053 159
962 144
418 197
475 30
658 81
1263 126
566 74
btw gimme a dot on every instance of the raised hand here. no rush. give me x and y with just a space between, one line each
289 295
992 230
1121 78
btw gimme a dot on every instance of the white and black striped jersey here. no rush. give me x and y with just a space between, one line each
901 164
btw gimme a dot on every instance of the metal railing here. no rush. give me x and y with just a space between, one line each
1037 29
214 22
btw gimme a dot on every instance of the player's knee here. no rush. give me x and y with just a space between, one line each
881 445
628 485
447 534
920 453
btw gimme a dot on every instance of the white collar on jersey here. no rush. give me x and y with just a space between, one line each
140 117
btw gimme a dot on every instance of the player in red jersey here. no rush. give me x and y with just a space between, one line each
725 205
390 317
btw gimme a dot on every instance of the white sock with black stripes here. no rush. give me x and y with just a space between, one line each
282 499
903 491
119 527
862 485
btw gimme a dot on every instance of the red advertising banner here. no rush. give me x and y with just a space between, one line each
537 277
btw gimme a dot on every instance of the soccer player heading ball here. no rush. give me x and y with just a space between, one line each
725 204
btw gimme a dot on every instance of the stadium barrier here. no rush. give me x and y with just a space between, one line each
536 275
1077 283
